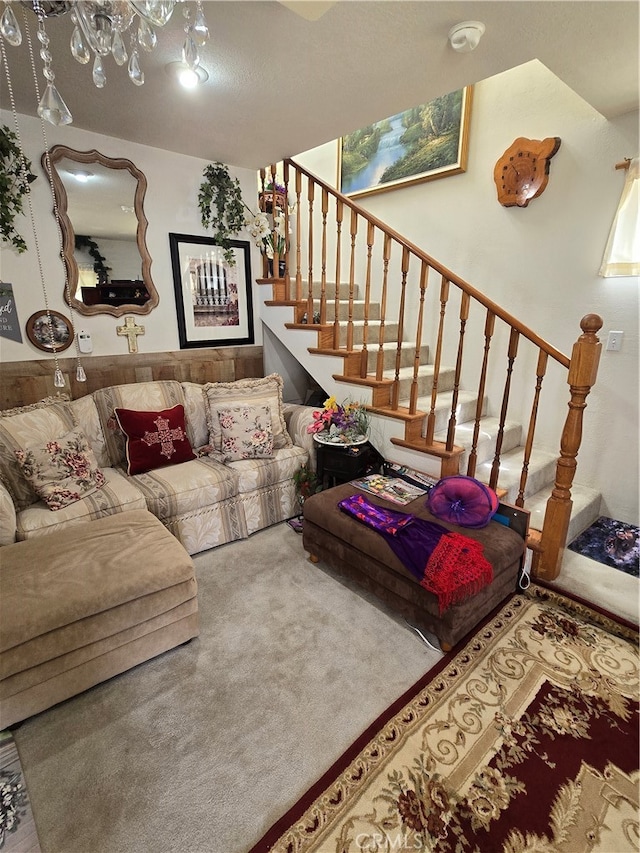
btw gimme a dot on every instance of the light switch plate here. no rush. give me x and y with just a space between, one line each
614 341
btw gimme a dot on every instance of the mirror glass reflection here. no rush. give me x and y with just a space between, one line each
100 204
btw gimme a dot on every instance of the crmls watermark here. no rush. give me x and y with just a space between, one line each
377 842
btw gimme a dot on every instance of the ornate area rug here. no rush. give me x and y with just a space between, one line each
614 543
525 740
17 829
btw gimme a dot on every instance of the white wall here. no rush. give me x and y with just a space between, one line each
171 205
540 262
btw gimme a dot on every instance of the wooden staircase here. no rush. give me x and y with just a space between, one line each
465 399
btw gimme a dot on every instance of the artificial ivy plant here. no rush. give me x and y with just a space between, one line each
15 177
100 262
221 207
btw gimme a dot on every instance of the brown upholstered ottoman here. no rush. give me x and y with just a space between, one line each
358 552
81 605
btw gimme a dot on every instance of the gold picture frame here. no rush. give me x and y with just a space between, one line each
424 143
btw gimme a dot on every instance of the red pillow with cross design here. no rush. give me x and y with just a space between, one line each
154 439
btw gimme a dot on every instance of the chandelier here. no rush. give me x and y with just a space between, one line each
103 27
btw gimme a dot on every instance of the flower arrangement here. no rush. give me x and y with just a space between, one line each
269 240
341 424
279 188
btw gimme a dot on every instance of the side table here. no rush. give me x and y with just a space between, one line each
336 465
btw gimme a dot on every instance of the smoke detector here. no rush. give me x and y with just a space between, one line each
464 37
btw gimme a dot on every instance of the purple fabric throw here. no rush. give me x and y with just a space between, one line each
447 564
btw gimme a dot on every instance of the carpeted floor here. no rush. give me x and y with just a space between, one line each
203 748
526 739
614 543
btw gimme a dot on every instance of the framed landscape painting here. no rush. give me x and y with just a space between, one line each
420 144
214 306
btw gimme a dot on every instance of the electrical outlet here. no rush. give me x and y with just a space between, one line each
614 341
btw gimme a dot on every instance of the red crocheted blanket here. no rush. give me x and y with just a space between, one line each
449 565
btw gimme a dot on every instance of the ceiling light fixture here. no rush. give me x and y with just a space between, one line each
99 27
464 37
190 78
81 175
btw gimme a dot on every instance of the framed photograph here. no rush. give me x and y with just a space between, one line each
49 337
213 298
421 144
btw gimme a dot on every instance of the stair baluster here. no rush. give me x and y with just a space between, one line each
489 326
431 418
323 271
353 230
310 305
395 399
364 358
512 352
541 370
413 396
336 320
464 316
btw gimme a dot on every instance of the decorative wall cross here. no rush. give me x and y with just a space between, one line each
131 331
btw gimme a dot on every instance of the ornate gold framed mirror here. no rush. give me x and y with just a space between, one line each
100 205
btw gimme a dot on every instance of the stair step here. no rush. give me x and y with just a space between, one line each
390 332
389 349
425 380
542 470
343 310
585 509
330 290
466 408
487 435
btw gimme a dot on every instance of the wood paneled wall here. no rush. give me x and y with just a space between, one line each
24 382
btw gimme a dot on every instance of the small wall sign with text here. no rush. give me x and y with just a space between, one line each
9 325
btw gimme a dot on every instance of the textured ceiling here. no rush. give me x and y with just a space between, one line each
280 84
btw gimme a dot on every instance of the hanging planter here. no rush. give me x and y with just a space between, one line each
221 207
272 195
15 177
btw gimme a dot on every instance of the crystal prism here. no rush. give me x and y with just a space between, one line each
118 49
81 376
136 74
79 49
58 378
52 108
9 27
190 53
200 28
99 77
156 12
146 36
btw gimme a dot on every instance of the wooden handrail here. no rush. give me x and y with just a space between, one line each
476 294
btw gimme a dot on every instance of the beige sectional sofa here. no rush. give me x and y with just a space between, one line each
203 502
91 581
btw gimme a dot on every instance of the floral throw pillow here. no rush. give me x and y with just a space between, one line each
154 439
62 471
246 433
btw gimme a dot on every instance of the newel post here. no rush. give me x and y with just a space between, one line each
583 371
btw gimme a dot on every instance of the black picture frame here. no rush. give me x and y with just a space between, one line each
214 300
